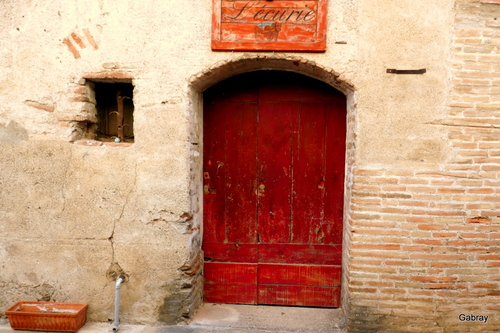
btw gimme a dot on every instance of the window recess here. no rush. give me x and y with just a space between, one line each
115 111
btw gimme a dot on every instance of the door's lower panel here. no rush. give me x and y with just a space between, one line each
279 284
230 283
231 293
298 295
306 275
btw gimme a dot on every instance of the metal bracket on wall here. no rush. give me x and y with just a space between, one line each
406 71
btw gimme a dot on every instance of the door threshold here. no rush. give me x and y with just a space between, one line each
248 318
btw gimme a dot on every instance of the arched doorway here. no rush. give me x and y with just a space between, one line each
274 160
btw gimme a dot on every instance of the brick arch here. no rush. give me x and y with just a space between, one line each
226 68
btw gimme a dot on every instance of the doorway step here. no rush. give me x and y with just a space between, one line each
228 318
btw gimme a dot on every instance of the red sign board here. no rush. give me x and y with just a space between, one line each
269 25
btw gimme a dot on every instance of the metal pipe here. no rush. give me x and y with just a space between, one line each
117 303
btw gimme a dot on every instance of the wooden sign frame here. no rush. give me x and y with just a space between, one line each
269 25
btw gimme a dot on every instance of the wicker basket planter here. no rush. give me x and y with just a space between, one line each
47 316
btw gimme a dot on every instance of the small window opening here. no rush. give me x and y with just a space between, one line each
115 111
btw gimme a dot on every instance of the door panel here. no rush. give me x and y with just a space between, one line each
298 295
241 146
230 293
307 275
214 206
274 166
227 252
230 283
300 254
309 174
273 190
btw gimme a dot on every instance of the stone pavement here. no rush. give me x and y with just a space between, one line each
228 318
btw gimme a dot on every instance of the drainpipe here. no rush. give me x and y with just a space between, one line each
117 302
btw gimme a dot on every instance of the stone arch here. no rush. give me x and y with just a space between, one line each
224 69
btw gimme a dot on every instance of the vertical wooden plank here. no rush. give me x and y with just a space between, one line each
241 166
274 186
309 175
213 172
335 169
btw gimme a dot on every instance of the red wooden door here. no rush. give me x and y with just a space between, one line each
274 145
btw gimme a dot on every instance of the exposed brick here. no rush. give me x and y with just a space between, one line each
474 235
363 290
416 248
488 227
380 284
377 254
40 106
376 246
485 285
71 48
91 39
447 278
451 190
462 227
78 40
428 241
377 231
397 263
419 219
440 285
431 227
468 32
494 264
368 172
392 291
364 261
113 75
444 264
479 206
494 213
489 257
438 257
424 278
444 234
479 219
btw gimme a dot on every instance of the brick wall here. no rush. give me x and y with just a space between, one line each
426 243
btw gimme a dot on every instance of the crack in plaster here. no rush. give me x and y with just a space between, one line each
66 177
115 270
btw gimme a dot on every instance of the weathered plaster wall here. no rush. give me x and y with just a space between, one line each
75 215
